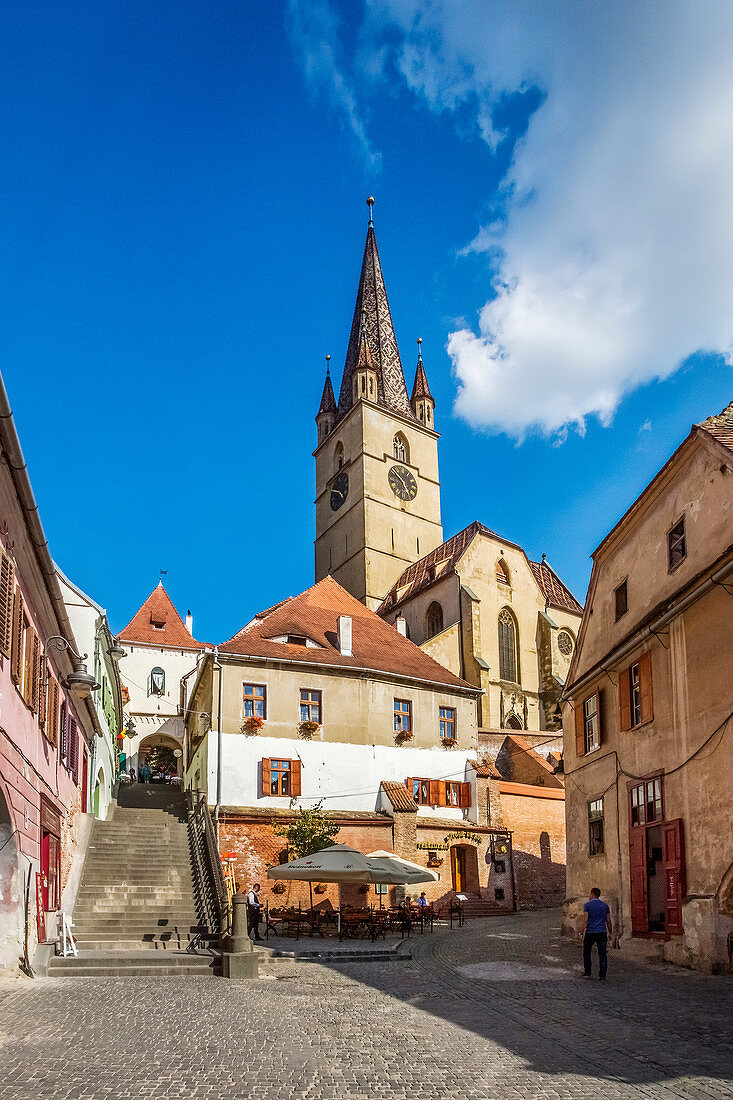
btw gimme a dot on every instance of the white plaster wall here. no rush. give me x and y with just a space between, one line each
344 776
153 714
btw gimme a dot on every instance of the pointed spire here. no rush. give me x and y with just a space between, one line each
328 398
372 326
421 387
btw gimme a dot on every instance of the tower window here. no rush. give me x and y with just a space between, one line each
400 449
502 573
507 646
434 619
427 413
338 455
157 682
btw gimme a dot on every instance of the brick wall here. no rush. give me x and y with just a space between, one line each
258 847
538 839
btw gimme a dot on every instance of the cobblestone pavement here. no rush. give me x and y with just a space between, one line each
493 1010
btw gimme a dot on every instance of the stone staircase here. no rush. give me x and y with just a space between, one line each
139 909
476 907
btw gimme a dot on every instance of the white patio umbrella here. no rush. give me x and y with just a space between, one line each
341 864
416 872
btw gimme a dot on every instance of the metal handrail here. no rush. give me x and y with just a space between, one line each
204 829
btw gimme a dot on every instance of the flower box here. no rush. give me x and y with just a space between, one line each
450 742
253 724
308 728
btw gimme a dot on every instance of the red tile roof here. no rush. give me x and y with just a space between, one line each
315 614
437 564
442 561
421 387
515 743
486 770
720 426
399 796
554 591
170 631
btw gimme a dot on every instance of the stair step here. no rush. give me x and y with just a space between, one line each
105 946
133 964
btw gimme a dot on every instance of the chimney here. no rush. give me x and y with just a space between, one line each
344 632
189 622
401 625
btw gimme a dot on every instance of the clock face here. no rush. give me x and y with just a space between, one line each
339 490
402 483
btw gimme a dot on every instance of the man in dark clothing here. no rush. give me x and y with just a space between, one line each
598 928
254 912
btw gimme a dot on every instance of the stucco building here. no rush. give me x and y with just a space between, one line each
648 743
47 731
161 652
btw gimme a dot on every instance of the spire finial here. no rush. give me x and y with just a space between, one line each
370 204
328 364
419 349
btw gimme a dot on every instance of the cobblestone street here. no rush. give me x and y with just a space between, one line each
496 1009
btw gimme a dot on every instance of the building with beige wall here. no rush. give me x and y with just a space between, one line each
648 743
161 652
506 624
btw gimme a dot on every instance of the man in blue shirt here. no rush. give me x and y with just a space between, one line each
598 928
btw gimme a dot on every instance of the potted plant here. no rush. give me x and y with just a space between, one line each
320 888
450 742
253 724
307 728
279 888
404 735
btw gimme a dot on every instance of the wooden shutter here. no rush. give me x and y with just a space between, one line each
42 688
266 777
52 710
436 787
16 655
28 667
579 729
673 855
34 675
64 733
645 683
7 582
638 881
74 749
295 770
624 699
464 795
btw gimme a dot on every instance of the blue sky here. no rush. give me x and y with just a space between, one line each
183 195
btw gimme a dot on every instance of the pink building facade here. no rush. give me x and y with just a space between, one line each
46 732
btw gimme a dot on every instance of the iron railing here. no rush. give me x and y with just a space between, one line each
211 893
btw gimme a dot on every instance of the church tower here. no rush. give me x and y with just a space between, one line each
377 488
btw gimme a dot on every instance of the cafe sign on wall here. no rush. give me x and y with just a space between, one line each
458 837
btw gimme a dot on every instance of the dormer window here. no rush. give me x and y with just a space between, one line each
158 626
297 639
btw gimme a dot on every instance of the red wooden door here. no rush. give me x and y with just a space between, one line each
639 885
673 856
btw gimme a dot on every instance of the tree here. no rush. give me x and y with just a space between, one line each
312 831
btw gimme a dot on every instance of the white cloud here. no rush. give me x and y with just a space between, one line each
613 262
313 29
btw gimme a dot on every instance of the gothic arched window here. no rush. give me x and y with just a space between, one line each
433 619
338 456
513 722
508 663
502 572
400 449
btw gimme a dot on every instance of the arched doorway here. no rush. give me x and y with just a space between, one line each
464 869
11 889
158 751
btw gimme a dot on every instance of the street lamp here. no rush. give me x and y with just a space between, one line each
116 651
80 681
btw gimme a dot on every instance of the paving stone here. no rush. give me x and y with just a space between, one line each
359 1030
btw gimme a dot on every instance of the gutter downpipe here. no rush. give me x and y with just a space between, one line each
217 665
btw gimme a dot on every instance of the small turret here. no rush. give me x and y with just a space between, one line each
364 377
422 401
326 415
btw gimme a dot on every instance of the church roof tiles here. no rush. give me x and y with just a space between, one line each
373 321
441 562
720 426
421 387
